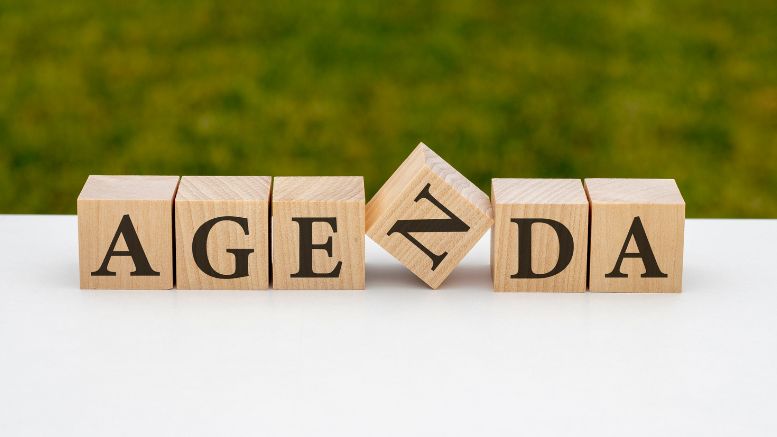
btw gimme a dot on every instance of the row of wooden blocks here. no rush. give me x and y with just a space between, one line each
246 232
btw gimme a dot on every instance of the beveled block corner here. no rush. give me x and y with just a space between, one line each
318 233
428 215
637 230
125 232
222 232
539 241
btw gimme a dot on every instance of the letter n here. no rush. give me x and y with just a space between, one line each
407 227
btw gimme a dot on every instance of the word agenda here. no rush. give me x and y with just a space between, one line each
239 232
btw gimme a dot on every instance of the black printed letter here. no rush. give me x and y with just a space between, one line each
200 249
306 247
134 250
645 252
451 224
566 247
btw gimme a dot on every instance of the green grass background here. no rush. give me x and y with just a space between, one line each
681 89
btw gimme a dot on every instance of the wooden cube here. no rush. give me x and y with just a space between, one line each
222 232
125 232
636 235
428 216
539 241
318 232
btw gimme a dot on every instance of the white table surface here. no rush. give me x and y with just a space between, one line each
397 359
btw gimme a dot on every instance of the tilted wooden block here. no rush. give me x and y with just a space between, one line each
125 232
318 232
428 216
636 237
539 241
222 232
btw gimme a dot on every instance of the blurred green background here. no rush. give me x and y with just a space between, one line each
681 89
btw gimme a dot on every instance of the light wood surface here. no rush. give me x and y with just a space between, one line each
561 200
396 201
332 201
202 199
660 209
102 205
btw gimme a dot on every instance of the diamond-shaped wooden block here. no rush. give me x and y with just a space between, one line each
428 215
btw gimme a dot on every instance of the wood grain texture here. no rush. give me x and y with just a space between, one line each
148 201
561 200
338 197
396 200
204 198
615 203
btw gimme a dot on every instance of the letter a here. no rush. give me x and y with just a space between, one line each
134 250
645 253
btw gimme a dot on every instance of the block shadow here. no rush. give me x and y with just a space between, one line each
469 277
392 276
466 277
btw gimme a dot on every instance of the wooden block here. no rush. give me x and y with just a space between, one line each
636 235
539 241
318 232
222 232
125 232
428 216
